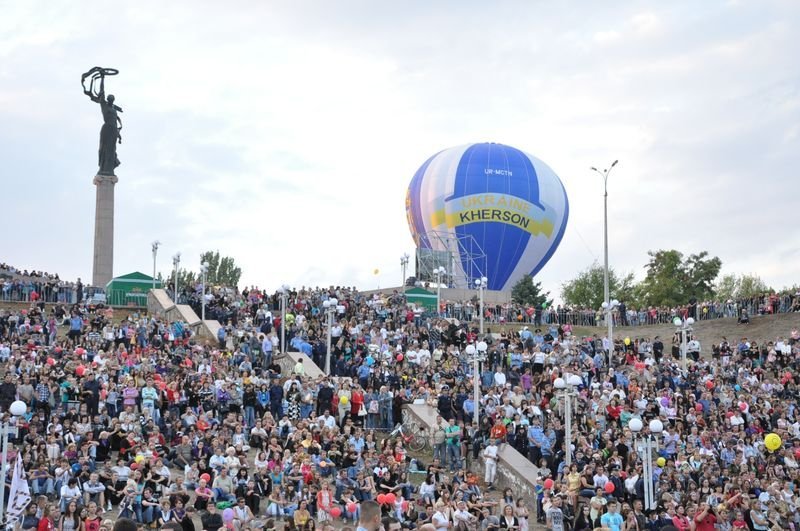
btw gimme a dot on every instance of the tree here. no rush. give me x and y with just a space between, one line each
185 278
672 280
731 287
587 289
222 271
529 293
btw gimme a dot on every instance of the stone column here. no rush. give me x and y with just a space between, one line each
103 270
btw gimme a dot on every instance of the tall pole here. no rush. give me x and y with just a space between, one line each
330 338
404 265
4 429
476 393
481 284
568 427
155 254
283 319
606 295
176 261
204 270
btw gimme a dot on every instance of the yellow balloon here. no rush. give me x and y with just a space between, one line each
772 441
627 341
343 400
139 458
661 461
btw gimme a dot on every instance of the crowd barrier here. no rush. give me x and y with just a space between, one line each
553 316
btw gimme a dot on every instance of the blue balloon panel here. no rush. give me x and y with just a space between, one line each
510 203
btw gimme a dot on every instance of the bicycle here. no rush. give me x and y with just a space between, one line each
414 440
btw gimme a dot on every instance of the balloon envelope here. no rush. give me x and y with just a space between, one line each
509 203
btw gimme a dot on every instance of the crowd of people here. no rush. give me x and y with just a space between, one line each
140 419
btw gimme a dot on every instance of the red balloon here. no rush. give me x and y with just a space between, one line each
381 499
80 351
548 483
134 466
352 507
399 357
797 453
206 477
390 498
699 407
51 361
710 384
609 488
79 370
729 414
742 407
336 512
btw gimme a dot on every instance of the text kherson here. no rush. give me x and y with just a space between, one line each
509 217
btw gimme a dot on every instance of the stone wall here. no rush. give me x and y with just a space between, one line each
514 470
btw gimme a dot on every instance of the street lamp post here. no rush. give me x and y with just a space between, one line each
683 327
404 265
608 308
204 273
606 293
284 291
17 409
439 272
176 263
567 389
476 354
332 307
155 245
647 445
480 284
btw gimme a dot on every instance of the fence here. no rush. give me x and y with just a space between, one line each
501 314
45 293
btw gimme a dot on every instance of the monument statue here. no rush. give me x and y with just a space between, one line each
110 133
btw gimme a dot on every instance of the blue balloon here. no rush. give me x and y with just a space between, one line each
511 204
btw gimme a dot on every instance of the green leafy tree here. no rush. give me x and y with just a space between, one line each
185 278
222 270
751 285
528 292
672 280
587 288
740 286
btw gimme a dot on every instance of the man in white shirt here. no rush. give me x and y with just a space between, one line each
499 378
490 461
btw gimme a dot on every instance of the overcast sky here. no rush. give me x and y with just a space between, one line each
285 134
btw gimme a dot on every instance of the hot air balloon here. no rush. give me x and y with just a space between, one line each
511 204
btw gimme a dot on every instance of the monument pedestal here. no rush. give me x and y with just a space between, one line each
103 270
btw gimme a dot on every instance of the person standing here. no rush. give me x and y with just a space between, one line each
490 462
555 517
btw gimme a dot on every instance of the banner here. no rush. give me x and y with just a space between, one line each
20 496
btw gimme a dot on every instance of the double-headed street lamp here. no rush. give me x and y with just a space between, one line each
203 274
404 265
606 294
683 328
480 285
17 409
567 390
608 308
284 292
646 446
331 308
476 354
439 272
176 264
155 245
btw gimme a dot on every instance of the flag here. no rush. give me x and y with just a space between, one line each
20 496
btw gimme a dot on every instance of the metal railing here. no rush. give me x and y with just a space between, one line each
553 316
